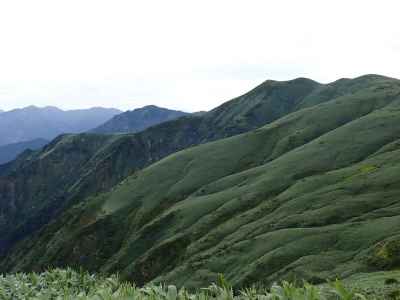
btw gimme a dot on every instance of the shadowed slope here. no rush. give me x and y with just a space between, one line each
37 186
138 120
11 151
312 195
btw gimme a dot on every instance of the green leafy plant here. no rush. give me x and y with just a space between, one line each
69 284
343 293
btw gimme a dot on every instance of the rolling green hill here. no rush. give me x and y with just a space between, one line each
38 186
312 195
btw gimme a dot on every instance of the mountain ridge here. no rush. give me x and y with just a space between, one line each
120 122
24 124
10 152
72 167
138 119
312 195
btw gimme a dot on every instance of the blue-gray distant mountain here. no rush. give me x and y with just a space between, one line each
308 190
139 119
11 151
32 122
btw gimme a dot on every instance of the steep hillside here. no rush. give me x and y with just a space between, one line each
313 195
37 186
138 120
25 124
11 151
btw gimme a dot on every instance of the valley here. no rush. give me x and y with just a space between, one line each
292 180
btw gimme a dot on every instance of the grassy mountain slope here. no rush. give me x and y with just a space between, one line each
38 186
11 151
313 195
138 120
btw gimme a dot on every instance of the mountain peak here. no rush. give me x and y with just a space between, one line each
372 77
47 122
29 107
303 79
261 199
295 80
138 119
148 107
151 106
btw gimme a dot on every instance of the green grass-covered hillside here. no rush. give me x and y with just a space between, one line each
38 186
313 195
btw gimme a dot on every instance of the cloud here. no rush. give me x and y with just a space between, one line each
184 54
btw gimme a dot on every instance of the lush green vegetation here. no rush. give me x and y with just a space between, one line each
312 195
68 284
37 187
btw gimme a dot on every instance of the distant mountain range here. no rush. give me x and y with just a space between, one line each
294 179
25 124
33 127
11 151
138 119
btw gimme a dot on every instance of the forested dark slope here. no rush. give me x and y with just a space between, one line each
38 186
313 195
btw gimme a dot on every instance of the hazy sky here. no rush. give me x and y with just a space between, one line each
191 55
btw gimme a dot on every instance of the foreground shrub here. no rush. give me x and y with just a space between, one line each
68 284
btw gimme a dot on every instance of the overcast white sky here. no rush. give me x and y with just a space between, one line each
190 55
